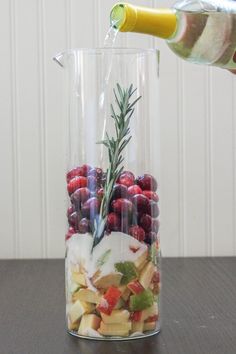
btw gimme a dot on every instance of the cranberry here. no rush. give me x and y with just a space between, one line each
92 183
119 191
151 195
153 209
156 277
91 207
132 190
73 219
140 202
151 237
70 210
71 231
145 222
100 193
75 183
113 222
75 172
122 206
137 232
147 182
80 195
126 178
84 226
86 169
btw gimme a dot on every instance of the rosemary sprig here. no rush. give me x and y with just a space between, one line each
115 145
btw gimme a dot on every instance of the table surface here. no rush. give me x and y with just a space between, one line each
198 310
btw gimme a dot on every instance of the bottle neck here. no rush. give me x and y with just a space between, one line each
157 22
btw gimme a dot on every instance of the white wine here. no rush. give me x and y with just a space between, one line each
203 32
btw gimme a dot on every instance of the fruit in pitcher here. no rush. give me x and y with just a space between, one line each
109 300
89 321
151 195
145 222
135 189
140 202
115 329
76 183
153 209
75 172
74 219
116 316
119 191
122 206
84 226
91 207
128 270
113 222
126 178
147 182
78 309
137 232
80 195
141 301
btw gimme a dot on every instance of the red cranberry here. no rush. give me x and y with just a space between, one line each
153 209
122 206
113 222
75 183
75 172
151 237
137 232
91 207
71 231
145 222
151 195
156 277
73 219
126 178
70 210
119 191
140 202
132 190
92 183
80 195
86 168
147 182
84 226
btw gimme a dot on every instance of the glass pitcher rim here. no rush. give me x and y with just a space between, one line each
101 50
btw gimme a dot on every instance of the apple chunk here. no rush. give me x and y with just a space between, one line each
78 309
87 295
147 274
115 329
116 316
104 282
87 322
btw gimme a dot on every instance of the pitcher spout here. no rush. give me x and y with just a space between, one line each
60 59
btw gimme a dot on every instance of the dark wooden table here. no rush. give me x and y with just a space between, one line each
198 310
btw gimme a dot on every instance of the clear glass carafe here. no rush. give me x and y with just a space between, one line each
112 241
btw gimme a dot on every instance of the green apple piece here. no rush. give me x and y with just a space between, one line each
128 270
141 301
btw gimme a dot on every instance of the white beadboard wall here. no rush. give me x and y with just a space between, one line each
198 129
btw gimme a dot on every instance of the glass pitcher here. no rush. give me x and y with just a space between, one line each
112 242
